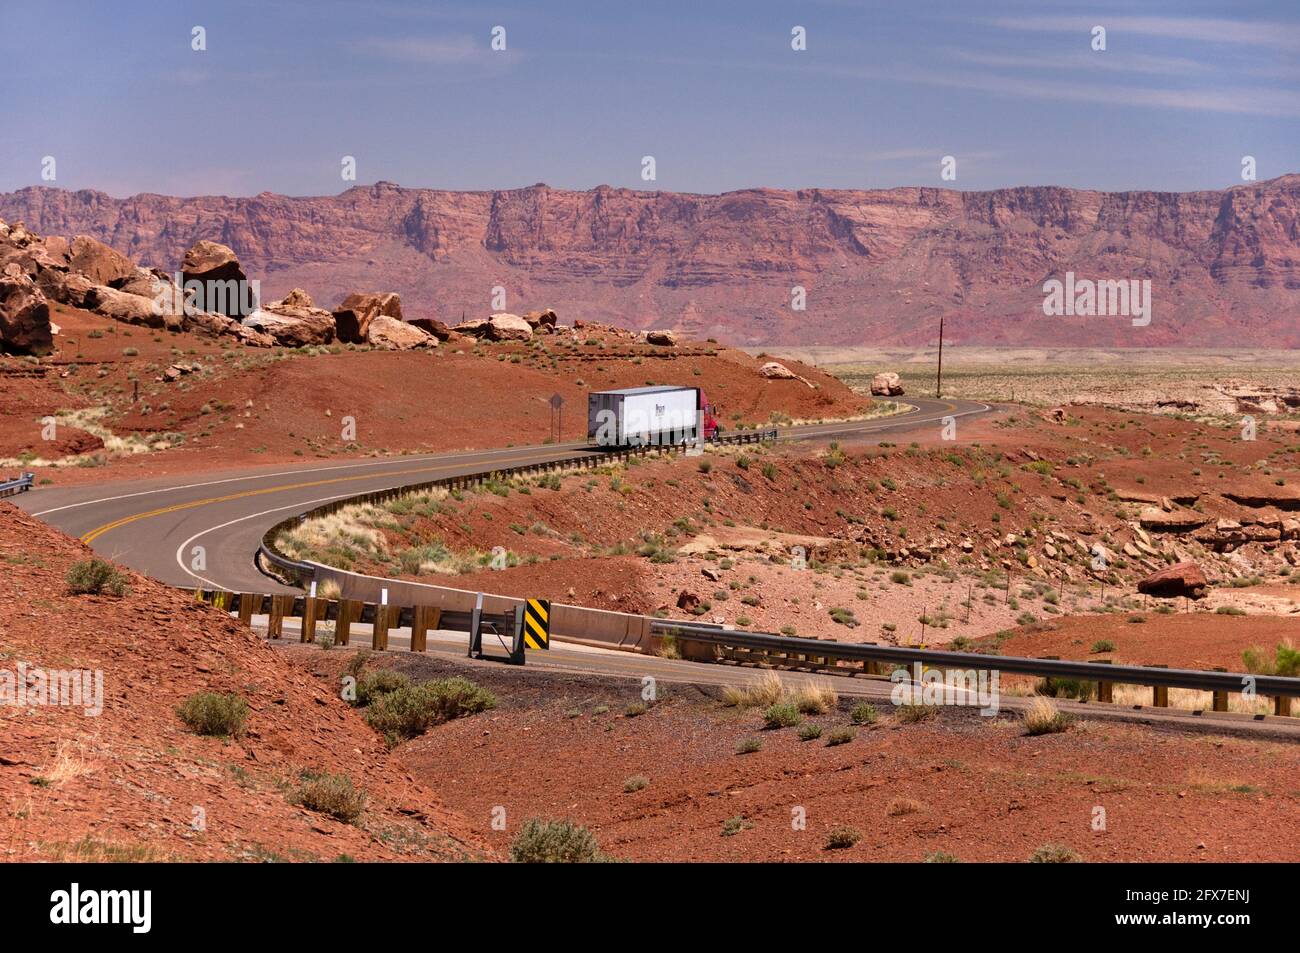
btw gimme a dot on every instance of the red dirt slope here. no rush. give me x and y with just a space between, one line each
133 782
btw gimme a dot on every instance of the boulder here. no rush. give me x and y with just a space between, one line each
777 372
663 338
1180 579
294 327
687 600
294 321
24 317
508 327
353 315
474 327
98 262
66 287
397 335
886 384
121 306
432 326
543 318
223 285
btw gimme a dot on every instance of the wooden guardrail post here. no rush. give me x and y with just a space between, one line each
1160 693
424 619
246 607
309 615
343 626
1282 705
379 632
1220 697
1105 690
275 624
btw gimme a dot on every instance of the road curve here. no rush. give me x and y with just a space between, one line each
154 526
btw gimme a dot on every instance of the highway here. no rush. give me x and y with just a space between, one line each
153 526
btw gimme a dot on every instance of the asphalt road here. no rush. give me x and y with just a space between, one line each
153 526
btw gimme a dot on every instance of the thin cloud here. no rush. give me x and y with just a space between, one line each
1201 29
440 51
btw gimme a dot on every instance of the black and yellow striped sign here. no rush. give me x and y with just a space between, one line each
537 624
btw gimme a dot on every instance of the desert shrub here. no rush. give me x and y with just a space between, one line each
332 794
911 714
1042 717
864 713
411 710
634 710
96 576
903 805
1065 688
554 842
1053 854
840 736
1102 645
810 732
782 715
209 713
941 857
379 682
734 825
749 746
841 838
635 783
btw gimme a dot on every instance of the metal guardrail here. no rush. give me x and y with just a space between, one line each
806 653
18 485
590 460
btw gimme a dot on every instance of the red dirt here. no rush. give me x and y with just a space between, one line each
133 778
984 791
1179 641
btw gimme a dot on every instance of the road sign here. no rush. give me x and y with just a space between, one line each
537 624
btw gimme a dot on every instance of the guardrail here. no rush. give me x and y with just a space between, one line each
18 485
344 613
591 460
697 640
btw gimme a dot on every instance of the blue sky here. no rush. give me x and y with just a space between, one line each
1013 90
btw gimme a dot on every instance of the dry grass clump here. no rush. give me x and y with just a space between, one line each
809 698
1042 717
903 805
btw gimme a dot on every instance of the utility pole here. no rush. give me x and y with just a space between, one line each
938 384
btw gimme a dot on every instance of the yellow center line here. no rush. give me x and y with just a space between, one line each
98 531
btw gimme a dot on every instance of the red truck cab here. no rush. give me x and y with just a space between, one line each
708 418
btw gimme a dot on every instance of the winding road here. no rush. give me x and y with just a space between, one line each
154 526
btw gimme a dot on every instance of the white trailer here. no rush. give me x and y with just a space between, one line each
643 416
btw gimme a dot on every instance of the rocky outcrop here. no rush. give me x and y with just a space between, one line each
661 338
1180 579
1176 521
886 384
395 335
1222 264
355 312
24 317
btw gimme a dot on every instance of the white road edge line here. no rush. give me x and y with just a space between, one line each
212 529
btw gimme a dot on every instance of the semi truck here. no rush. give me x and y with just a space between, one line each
650 416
